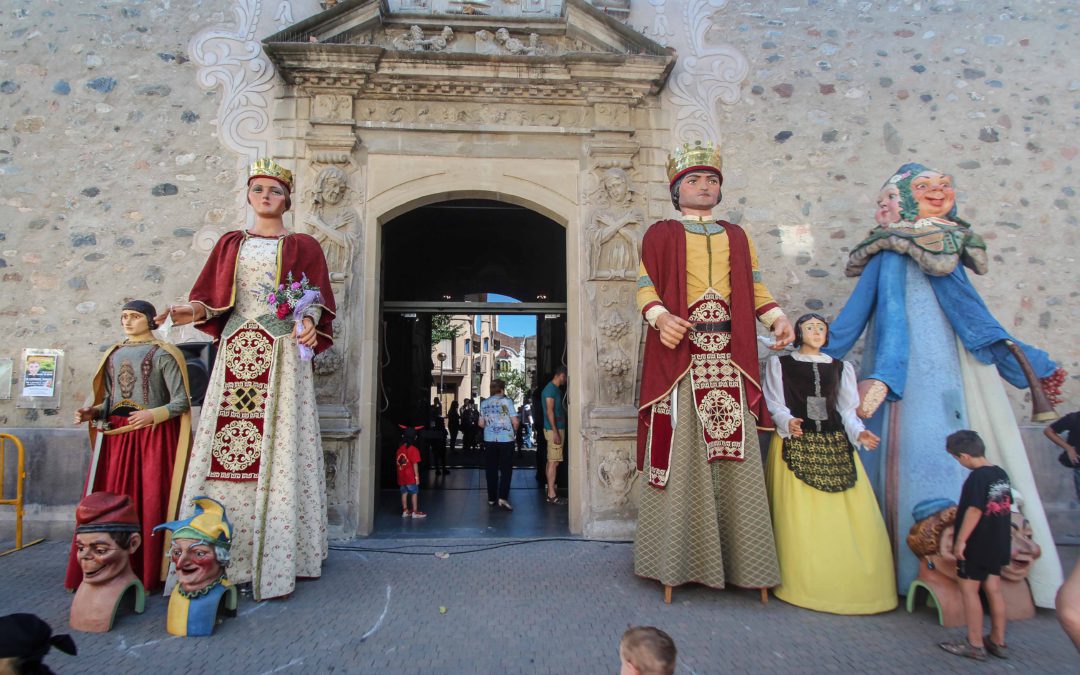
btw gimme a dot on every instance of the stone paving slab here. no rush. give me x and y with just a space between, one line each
549 606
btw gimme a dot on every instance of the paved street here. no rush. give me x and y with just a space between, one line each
554 606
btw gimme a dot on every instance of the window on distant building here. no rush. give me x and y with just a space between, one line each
467 345
485 344
498 343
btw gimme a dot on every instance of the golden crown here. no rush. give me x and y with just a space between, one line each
689 156
267 167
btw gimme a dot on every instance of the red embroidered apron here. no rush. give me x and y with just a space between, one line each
238 435
717 391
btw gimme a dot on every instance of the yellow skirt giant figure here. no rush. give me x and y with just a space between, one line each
831 541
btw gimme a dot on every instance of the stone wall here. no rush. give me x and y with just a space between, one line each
835 96
123 125
110 164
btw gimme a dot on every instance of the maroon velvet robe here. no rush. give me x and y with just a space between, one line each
297 253
663 253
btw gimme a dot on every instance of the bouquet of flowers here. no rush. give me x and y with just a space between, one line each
293 297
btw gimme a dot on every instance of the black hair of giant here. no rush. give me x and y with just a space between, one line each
798 328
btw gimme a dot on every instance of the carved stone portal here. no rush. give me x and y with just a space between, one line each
411 119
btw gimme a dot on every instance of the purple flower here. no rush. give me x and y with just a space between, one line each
272 299
296 285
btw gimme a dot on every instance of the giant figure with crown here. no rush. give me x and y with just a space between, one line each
264 295
704 513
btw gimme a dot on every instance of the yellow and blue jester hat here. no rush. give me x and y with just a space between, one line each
209 523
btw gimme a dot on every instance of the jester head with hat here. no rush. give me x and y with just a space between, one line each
200 546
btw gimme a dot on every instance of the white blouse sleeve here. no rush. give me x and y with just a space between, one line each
774 396
847 400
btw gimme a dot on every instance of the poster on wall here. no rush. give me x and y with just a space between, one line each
39 386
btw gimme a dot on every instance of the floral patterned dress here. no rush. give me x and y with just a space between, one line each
278 512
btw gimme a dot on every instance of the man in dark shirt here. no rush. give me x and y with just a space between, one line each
1070 426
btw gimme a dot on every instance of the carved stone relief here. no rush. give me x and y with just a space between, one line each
616 342
336 107
533 6
501 42
284 16
333 222
230 57
612 115
614 473
336 469
414 40
484 41
330 466
710 74
408 112
329 365
615 227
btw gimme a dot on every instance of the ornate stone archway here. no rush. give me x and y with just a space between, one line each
554 110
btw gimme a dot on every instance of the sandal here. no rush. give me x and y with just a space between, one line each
965 649
555 500
996 650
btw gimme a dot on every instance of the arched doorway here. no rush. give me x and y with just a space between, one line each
567 123
445 259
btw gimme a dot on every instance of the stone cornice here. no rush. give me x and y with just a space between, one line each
376 72
601 60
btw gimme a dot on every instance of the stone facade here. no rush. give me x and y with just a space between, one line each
125 124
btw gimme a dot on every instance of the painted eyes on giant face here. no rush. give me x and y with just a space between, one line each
276 191
924 185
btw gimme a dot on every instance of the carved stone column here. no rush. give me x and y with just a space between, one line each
329 208
614 207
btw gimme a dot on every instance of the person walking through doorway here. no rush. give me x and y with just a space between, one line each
554 429
499 420
453 419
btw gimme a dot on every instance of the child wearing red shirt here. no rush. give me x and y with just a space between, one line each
407 460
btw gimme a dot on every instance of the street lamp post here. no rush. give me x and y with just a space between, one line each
442 357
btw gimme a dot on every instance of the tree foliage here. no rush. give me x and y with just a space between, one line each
443 329
516 387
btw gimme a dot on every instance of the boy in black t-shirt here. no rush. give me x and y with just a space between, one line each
982 545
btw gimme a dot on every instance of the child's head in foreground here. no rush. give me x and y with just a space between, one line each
965 442
645 650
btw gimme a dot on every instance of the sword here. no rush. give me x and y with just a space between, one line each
100 426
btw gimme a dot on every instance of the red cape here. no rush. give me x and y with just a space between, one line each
663 253
297 253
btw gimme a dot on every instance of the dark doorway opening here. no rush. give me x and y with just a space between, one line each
441 259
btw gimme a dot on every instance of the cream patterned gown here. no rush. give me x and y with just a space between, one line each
279 521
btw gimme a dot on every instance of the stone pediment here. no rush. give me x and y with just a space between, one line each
363 45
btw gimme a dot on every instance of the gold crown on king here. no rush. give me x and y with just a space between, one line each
697 154
265 166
